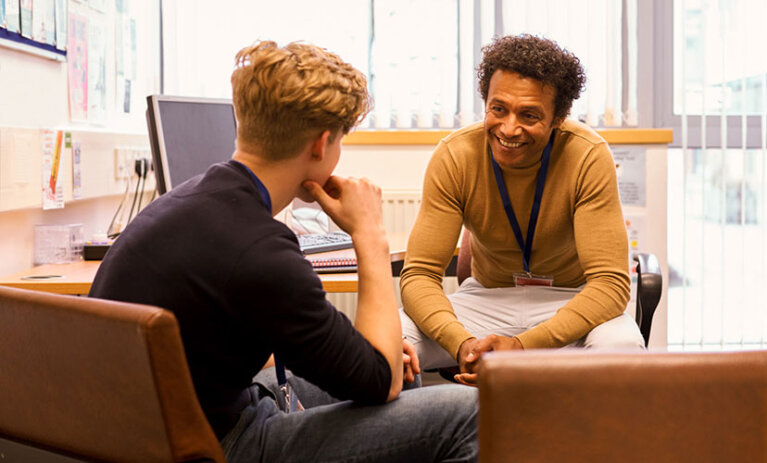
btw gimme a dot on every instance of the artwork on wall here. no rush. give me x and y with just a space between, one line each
35 26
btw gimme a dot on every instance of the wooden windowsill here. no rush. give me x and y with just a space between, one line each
432 137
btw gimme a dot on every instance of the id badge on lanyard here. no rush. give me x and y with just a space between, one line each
526 278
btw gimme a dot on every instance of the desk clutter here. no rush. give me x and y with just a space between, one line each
334 264
58 244
96 250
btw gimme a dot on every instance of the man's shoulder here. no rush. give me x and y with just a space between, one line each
471 135
580 134
462 146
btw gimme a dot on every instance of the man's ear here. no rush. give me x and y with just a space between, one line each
320 144
558 122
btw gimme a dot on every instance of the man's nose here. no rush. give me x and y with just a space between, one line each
511 126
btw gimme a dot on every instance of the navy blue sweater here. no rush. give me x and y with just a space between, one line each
210 252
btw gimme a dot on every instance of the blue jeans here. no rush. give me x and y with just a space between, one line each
435 423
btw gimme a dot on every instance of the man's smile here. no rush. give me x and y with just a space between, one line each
509 144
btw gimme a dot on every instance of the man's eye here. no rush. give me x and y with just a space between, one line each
530 116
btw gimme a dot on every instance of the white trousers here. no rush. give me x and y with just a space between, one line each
512 311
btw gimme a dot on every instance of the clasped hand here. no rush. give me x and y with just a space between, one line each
410 362
471 352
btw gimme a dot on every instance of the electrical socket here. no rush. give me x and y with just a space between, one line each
143 153
125 158
123 163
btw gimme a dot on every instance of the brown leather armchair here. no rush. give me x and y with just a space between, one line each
586 406
95 380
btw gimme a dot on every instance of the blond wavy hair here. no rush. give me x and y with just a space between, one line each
283 97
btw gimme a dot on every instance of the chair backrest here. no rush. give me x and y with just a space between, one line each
97 380
581 406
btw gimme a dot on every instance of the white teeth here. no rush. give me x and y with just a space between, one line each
509 144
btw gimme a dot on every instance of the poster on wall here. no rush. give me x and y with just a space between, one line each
61 24
98 5
77 63
44 21
25 13
77 170
125 54
12 19
2 14
632 173
53 186
97 72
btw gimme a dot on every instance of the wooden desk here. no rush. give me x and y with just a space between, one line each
76 278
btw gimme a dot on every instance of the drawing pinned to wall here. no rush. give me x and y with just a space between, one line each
53 186
61 24
98 5
25 13
632 173
77 171
125 53
97 69
12 17
77 63
2 14
44 21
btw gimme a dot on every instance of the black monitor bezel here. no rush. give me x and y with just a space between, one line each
156 139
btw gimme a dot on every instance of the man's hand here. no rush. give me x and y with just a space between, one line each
353 204
478 348
463 351
410 362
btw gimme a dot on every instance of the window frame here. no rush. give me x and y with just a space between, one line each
661 15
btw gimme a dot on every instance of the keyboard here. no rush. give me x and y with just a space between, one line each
323 242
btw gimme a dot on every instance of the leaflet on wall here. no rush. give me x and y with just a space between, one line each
2 13
53 186
632 175
125 53
61 24
77 63
98 5
44 21
12 19
25 13
635 230
77 172
97 72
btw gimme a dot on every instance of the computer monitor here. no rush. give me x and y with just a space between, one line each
188 135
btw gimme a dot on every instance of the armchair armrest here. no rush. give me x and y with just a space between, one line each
649 289
591 406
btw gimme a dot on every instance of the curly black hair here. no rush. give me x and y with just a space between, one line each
537 58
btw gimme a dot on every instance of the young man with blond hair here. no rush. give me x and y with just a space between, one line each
211 252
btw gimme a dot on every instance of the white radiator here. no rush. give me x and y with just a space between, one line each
399 212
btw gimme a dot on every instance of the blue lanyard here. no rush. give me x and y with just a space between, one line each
260 186
525 245
279 367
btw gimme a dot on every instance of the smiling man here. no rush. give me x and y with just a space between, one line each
539 194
